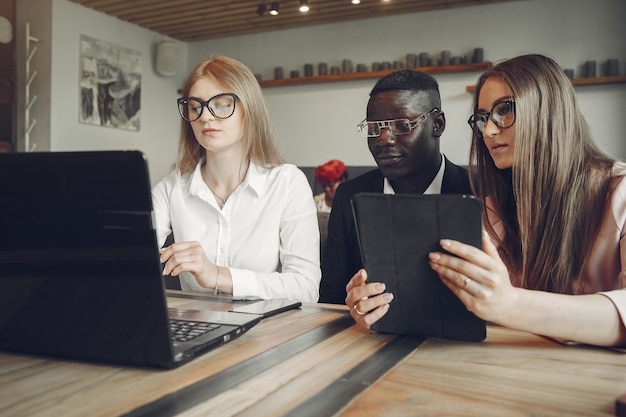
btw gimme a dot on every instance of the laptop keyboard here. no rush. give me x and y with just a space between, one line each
184 331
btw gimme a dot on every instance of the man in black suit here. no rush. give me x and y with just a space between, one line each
403 125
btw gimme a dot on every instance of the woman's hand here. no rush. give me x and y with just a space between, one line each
189 257
367 302
480 279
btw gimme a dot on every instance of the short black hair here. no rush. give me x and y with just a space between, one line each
409 80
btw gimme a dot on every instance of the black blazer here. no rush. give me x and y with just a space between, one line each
342 257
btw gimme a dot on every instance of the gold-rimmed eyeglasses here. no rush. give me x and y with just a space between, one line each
374 128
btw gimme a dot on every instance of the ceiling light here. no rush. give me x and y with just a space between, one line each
261 9
274 9
356 2
304 6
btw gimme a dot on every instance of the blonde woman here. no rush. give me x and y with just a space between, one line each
244 222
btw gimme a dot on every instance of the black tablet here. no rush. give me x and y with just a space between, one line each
396 233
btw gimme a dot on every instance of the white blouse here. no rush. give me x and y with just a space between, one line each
266 233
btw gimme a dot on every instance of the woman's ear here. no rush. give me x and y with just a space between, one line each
439 124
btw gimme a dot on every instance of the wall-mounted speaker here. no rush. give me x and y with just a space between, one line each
166 62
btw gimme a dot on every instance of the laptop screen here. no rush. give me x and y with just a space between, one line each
80 274
78 251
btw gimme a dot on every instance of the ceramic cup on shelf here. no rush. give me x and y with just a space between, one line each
411 60
445 57
335 71
278 73
308 70
295 74
361 68
611 67
322 68
346 66
569 73
424 59
479 55
590 69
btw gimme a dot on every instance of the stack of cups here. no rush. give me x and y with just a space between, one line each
611 67
445 57
590 69
479 55
411 60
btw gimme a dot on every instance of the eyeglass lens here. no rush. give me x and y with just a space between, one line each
374 129
221 106
399 126
502 114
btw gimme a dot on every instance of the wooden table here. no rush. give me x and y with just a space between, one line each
314 362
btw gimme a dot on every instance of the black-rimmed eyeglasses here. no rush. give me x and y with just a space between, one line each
374 128
221 106
502 114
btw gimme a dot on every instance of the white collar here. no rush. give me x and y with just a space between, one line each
255 179
433 188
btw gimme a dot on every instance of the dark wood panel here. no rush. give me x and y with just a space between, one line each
189 20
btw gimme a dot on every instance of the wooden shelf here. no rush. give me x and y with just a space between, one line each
580 81
600 80
447 69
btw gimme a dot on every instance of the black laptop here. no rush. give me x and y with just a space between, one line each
396 233
80 275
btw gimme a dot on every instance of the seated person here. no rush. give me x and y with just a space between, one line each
404 123
329 175
554 252
244 221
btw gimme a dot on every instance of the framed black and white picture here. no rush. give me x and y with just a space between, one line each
110 85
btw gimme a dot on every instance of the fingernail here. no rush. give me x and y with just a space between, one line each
445 243
388 297
434 256
380 287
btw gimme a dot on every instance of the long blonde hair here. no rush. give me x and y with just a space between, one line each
552 201
259 137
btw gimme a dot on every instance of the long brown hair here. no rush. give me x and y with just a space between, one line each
259 137
552 201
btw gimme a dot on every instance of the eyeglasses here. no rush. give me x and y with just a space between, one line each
502 114
221 106
373 129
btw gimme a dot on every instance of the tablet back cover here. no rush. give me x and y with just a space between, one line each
396 233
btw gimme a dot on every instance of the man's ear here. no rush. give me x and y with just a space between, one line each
439 124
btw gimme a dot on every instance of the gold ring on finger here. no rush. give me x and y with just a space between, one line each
356 310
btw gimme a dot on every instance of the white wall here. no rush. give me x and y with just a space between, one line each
158 134
317 122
